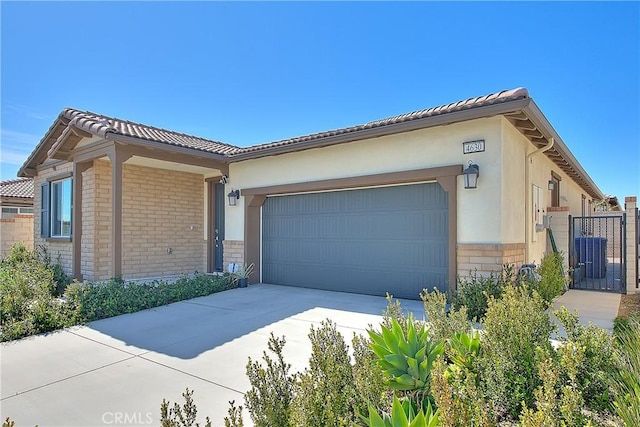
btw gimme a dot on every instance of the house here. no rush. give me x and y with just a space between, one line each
16 219
370 208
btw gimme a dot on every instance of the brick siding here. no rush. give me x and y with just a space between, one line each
488 258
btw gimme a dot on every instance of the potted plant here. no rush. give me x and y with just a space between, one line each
242 273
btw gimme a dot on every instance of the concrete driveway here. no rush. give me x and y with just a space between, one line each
116 371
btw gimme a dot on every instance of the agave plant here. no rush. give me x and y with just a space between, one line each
403 415
463 348
406 360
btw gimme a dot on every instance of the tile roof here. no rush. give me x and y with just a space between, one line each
102 125
480 101
20 187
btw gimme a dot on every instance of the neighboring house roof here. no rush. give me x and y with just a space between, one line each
516 105
21 188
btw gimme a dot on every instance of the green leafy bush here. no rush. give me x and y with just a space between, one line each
598 363
474 291
443 323
271 393
93 301
553 281
28 302
325 391
368 378
514 328
181 416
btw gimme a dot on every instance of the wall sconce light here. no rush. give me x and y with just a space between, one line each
471 174
234 195
551 185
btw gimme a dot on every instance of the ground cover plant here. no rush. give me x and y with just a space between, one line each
36 296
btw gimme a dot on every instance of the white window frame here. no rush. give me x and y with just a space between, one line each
57 209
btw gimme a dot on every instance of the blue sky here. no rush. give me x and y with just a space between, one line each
247 73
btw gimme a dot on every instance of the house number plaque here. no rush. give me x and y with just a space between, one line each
473 146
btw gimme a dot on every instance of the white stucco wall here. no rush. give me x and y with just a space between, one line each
479 218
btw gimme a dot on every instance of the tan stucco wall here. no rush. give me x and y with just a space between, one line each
513 195
13 230
426 148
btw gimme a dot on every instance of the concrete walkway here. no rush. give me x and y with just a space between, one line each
599 308
117 371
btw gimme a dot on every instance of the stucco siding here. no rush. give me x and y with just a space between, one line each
426 148
540 172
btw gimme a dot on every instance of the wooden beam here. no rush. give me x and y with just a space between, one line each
117 157
524 124
76 215
81 133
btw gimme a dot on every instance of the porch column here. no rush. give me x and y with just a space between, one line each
76 208
252 205
449 184
117 157
630 206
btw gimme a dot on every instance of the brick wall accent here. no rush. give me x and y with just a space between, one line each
233 252
162 220
19 228
488 258
630 205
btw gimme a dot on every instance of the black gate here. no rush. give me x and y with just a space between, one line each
597 253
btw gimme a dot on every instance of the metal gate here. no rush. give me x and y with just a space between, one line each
597 252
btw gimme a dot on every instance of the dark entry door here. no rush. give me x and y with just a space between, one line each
219 227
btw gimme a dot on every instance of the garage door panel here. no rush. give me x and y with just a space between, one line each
392 239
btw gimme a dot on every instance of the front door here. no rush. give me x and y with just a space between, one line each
219 227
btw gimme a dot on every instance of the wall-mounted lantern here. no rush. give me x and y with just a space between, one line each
471 174
551 185
234 195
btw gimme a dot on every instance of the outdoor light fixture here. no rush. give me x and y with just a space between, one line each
551 185
234 195
471 174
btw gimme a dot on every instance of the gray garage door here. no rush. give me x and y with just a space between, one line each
370 241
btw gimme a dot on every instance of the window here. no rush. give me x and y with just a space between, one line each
11 211
555 193
55 216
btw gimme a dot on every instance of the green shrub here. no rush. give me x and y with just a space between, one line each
181 416
443 323
514 328
28 303
271 393
592 374
324 392
474 291
625 379
552 281
368 378
93 301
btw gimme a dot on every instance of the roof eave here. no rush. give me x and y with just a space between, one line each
540 121
390 129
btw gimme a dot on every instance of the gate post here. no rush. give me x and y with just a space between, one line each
630 204
559 224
